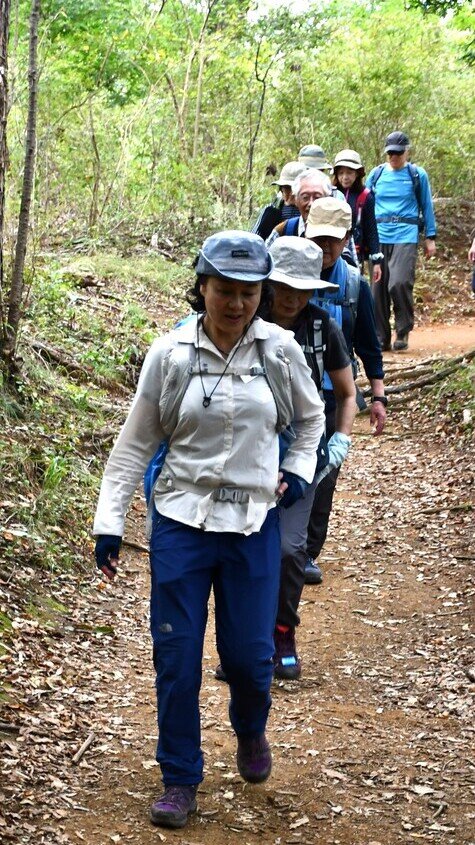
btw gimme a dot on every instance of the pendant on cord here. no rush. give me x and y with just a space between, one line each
206 401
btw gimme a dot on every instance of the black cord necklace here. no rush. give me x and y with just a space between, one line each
207 399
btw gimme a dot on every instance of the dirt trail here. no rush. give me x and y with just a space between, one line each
374 746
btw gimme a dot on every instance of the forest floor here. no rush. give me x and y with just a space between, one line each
373 746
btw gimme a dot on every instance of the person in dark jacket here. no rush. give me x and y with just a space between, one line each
296 274
329 225
284 206
348 175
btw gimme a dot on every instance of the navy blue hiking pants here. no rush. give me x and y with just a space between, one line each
244 574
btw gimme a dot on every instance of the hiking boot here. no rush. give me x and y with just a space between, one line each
254 758
174 806
401 342
313 573
287 665
220 674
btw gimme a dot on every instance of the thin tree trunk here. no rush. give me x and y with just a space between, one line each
199 97
16 289
4 28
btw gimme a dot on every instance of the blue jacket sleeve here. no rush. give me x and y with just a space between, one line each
427 205
365 339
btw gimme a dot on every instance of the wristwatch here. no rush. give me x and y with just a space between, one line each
382 399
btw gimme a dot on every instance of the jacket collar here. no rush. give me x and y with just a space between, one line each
186 333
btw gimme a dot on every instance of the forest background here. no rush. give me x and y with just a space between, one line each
171 116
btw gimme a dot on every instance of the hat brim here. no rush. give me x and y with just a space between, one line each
229 274
299 284
284 184
325 229
317 163
395 148
350 164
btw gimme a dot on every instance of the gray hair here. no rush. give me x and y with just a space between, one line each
314 175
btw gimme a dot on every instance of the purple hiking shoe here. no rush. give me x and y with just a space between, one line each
254 758
174 806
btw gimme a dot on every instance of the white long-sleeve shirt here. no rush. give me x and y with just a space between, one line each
230 444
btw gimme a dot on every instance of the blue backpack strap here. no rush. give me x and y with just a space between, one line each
377 174
292 226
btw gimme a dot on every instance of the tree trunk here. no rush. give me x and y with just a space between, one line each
16 289
4 28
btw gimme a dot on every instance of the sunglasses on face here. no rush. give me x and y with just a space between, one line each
394 153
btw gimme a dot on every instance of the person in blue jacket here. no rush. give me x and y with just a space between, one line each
403 208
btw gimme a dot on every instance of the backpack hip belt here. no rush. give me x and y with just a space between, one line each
167 484
393 218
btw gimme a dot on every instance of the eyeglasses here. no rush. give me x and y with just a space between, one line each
395 153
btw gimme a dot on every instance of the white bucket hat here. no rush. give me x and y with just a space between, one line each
298 264
348 158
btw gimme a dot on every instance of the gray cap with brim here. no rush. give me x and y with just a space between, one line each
235 255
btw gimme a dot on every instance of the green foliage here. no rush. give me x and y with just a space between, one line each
149 117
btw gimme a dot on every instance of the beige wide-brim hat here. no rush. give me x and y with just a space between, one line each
298 264
330 217
348 158
289 173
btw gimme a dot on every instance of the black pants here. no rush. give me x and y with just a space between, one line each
320 515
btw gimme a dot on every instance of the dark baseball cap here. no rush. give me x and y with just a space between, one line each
397 142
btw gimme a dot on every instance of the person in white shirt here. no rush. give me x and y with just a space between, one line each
220 388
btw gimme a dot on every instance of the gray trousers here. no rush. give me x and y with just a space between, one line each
396 287
293 534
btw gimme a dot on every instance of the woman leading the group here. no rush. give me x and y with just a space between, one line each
348 175
220 388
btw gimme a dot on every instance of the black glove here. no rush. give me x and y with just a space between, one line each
107 550
295 490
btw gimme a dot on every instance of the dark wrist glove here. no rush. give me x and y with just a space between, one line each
296 489
107 553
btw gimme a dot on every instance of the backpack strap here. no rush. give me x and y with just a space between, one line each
276 370
377 174
360 204
352 292
291 226
313 350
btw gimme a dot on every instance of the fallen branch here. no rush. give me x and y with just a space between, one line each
55 356
432 379
8 728
80 754
133 545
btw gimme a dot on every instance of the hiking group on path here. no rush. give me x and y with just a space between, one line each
248 407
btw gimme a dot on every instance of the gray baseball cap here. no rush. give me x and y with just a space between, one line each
298 264
235 255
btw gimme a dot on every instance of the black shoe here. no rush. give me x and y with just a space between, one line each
254 758
287 665
401 343
313 573
220 674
